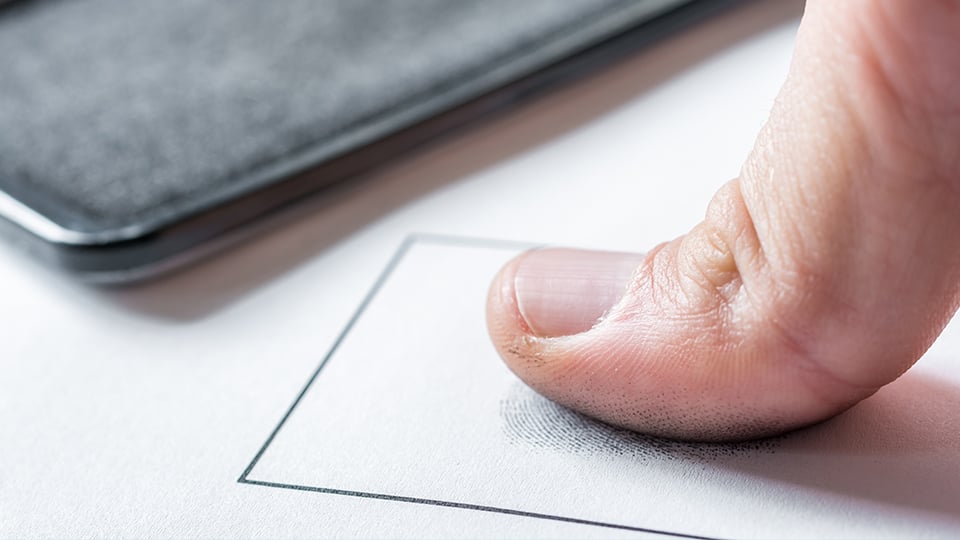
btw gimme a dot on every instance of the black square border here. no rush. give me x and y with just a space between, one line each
398 256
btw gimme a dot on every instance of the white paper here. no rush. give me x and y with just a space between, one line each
413 405
132 412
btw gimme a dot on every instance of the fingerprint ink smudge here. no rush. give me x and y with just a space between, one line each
531 420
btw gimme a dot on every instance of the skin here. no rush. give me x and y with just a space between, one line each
820 274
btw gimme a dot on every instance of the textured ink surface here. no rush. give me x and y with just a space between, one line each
133 112
413 405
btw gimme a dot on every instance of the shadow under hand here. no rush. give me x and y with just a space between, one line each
212 284
899 447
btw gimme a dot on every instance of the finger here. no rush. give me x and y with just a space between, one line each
820 274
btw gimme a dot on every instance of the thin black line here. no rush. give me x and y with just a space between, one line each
473 241
394 260
477 507
378 284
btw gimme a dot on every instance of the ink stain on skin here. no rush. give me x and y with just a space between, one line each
532 420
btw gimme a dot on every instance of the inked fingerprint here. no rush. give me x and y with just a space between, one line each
533 420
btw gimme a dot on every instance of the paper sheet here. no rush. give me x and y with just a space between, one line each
133 412
412 405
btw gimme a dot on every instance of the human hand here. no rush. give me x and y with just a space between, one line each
819 275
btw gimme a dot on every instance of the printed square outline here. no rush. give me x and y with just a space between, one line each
394 261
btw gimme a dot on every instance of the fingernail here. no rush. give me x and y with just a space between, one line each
561 292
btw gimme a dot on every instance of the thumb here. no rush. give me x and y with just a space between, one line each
820 274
